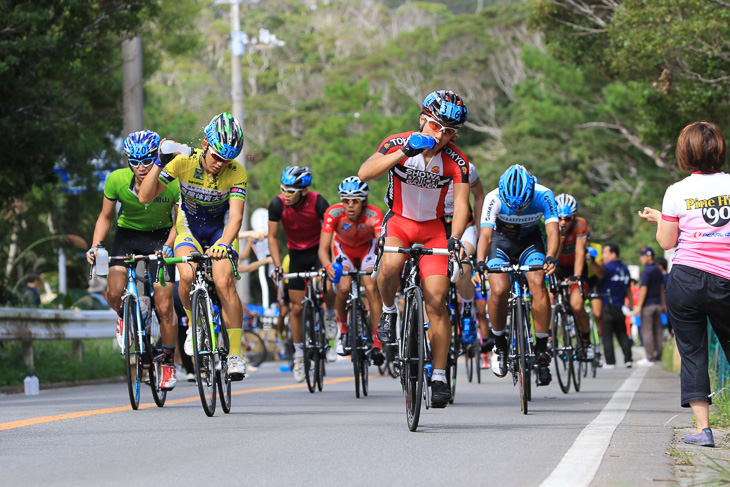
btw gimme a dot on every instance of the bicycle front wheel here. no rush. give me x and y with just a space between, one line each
320 350
413 358
132 352
308 344
578 364
355 355
204 352
253 347
154 347
522 337
562 350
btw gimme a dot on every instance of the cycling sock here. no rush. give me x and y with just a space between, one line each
299 350
439 375
234 335
389 309
169 357
189 314
586 337
500 340
329 313
466 307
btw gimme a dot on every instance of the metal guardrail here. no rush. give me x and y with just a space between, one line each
55 324
28 324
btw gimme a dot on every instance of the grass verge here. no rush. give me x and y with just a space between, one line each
54 362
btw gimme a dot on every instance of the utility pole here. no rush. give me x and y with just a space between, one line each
132 100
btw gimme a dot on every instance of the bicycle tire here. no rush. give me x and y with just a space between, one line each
364 362
308 341
595 344
222 378
578 364
414 355
355 356
321 354
253 348
132 354
469 363
203 352
154 346
524 378
478 365
454 349
562 355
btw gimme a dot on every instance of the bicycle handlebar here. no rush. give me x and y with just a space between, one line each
415 250
193 257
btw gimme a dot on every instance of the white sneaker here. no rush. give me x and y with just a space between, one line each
330 326
645 363
331 355
298 371
499 362
188 347
609 366
120 325
236 367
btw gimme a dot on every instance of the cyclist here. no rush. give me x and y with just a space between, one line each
356 226
418 180
510 234
464 285
574 235
141 229
213 194
300 211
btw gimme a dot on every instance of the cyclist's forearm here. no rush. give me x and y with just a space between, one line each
378 164
151 187
101 229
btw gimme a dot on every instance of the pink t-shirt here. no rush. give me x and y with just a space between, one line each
701 205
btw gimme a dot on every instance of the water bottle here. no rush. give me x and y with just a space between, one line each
217 318
170 147
591 253
102 260
30 383
429 371
144 307
420 141
337 266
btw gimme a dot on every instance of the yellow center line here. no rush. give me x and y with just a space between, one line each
83 414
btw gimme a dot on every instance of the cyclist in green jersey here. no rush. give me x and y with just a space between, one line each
141 229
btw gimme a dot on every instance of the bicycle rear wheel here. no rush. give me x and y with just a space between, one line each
453 357
222 378
562 353
469 362
132 353
310 352
577 364
524 374
413 358
203 352
253 347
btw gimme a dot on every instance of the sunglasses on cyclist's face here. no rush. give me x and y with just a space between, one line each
566 219
218 158
438 127
146 162
289 191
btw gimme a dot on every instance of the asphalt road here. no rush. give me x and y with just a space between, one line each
279 434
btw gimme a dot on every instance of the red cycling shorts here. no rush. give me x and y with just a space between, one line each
432 234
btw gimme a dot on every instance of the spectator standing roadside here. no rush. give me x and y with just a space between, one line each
649 307
695 216
614 277
32 293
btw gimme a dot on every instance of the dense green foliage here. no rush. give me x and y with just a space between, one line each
591 99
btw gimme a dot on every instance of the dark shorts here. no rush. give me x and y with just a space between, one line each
128 241
525 251
302 261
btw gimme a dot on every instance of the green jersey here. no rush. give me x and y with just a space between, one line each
132 214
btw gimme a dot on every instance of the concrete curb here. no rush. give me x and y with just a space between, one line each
7 390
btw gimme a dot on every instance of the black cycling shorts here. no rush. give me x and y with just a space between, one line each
128 241
302 261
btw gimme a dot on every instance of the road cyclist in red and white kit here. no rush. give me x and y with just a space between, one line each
355 226
300 212
418 180
574 235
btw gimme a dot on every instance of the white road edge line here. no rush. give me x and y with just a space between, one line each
581 461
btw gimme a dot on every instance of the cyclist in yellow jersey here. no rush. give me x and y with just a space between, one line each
212 197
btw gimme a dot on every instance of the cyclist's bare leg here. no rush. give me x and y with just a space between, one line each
165 310
390 269
343 291
499 287
295 315
579 311
481 306
597 308
434 294
374 301
187 272
115 287
540 301
225 286
465 284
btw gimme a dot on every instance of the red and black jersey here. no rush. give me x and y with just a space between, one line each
302 223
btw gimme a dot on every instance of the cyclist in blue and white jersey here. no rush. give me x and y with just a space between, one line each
510 234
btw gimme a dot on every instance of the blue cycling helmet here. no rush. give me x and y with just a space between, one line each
517 187
141 145
446 107
296 176
353 187
225 136
567 205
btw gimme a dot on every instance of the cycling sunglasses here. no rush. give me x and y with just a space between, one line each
439 127
146 161
289 191
218 158
566 219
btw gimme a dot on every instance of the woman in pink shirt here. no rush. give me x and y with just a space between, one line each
696 213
